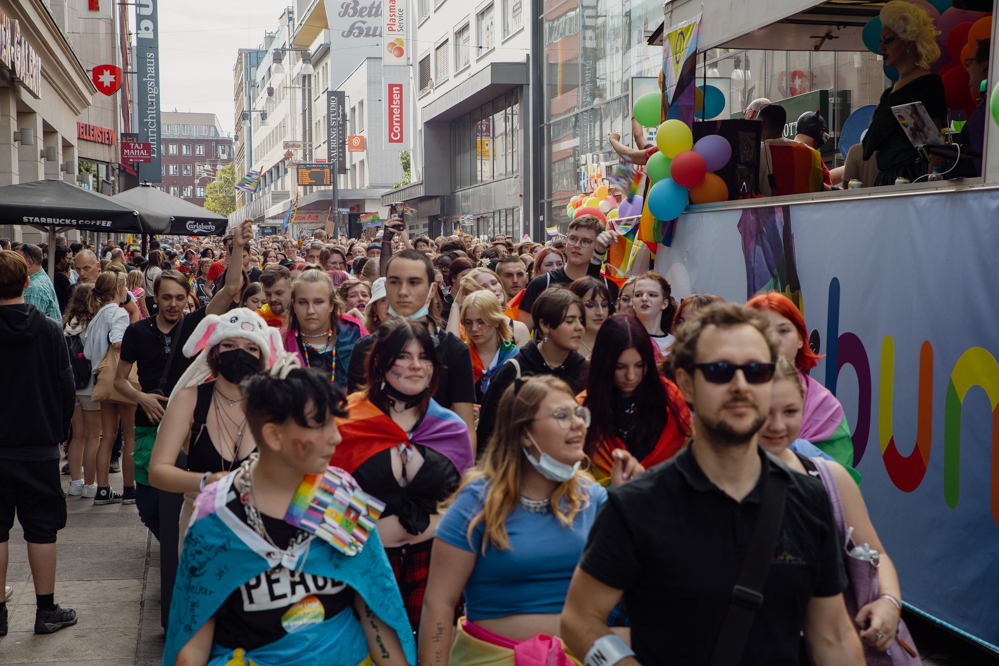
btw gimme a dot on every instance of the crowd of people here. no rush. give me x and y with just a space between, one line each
520 460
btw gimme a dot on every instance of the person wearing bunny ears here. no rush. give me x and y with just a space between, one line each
206 419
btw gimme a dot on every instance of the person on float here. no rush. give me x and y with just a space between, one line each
823 421
512 536
206 419
254 589
908 43
316 331
597 308
654 306
877 621
634 409
553 351
404 449
489 336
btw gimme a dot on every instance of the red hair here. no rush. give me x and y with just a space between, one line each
806 359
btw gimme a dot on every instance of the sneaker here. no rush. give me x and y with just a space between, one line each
52 620
8 592
89 491
107 495
65 470
115 466
128 495
75 488
3 620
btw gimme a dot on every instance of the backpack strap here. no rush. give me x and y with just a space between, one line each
747 595
825 475
205 392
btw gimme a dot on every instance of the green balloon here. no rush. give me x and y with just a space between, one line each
658 167
648 109
994 104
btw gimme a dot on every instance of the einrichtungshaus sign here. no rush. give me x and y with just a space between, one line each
147 97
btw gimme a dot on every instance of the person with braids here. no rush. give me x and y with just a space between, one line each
655 307
513 534
322 337
255 589
405 449
639 418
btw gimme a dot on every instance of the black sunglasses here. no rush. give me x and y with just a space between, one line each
722 372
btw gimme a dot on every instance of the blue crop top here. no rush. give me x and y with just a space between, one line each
533 575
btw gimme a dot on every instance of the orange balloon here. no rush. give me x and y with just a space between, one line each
661 72
980 29
698 100
967 52
711 190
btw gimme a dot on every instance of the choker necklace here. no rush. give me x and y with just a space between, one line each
232 403
396 396
318 335
535 506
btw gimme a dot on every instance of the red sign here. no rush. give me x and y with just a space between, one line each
355 143
96 134
134 151
395 113
107 78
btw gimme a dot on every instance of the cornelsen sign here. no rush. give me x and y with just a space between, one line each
136 151
395 92
147 97
95 134
19 57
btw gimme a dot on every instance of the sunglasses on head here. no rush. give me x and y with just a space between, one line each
722 372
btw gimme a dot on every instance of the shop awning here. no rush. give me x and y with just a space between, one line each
186 219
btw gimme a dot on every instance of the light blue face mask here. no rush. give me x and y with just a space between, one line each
550 468
419 314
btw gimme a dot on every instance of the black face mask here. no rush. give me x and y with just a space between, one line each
237 364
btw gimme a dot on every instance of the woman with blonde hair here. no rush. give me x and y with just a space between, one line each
107 327
133 282
512 537
483 278
908 43
487 332
86 413
150 272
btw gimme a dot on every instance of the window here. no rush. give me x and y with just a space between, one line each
361 176
176 130
440 63
171 149
174 170
187 130
461 48
174 191
201 192
485 142
211 131
222 151
424 9
185 149
204 128
161 188
199 150
513 16
188 191
352 123
360 116
485 30
425 74
162 169
187 170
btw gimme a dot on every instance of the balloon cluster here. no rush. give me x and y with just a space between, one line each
600 203
960 31
682 169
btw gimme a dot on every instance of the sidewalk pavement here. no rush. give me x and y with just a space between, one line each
108 572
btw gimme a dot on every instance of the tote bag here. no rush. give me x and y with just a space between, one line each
104 390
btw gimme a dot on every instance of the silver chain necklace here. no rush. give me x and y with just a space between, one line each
535 506
256 521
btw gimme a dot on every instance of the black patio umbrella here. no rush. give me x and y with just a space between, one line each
55 204
186 219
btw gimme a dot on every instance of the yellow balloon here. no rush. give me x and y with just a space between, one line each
612 215
698 100
674 137
592 201
601 192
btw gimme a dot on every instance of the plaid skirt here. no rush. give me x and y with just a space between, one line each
411 564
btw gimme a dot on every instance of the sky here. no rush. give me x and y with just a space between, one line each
198 44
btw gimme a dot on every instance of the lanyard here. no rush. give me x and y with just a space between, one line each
305 353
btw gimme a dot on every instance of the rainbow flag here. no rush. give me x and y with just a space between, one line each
249 182
334 508
679 65
369 220
768 247
289 215
797 169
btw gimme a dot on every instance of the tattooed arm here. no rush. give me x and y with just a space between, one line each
383 643
450 569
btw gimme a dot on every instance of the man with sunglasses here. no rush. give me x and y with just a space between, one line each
675 540
586 246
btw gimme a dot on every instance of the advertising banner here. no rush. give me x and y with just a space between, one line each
147 94
395 19
902 308
395 96
134 151
356 32
336 133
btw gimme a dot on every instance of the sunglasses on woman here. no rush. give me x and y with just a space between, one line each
722 372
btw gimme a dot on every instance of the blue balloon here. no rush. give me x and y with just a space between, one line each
940 5
714 102
891 72
872 35
667 199
854 127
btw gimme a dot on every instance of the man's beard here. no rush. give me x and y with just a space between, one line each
277 308
722 432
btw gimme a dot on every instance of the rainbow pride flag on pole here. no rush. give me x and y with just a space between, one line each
289 215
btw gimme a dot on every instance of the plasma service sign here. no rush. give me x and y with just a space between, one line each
905 314
147 94
395 97
336 133
394 24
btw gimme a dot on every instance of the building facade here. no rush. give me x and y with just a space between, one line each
194 149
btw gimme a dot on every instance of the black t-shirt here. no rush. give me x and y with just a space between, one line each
558 277
675 543
278 601
455 383
254 277
148 347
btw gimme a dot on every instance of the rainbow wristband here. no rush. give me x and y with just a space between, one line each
895 602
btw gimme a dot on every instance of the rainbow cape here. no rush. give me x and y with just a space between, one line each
823 423
507 350
368 431
513 306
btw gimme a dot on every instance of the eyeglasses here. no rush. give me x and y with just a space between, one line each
722 372
563 417
576 240
592 305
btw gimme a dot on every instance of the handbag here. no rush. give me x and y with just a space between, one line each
863 589
104 390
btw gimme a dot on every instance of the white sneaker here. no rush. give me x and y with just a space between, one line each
75 488
90 491
8 592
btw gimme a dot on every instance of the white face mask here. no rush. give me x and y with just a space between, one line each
419 314
550 468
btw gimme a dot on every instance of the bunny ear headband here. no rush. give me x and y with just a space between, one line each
213 329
